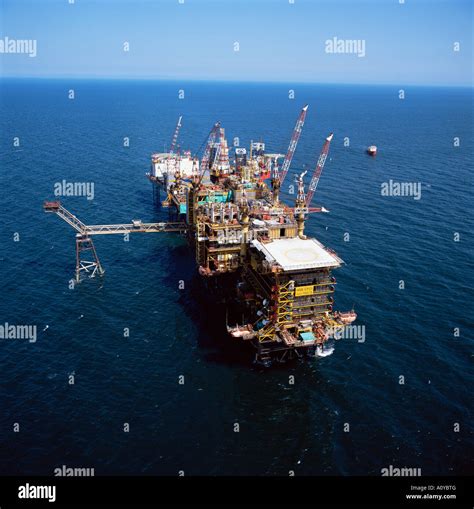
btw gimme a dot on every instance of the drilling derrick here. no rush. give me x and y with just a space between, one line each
221 165
207 161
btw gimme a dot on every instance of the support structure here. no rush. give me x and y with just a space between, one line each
91 267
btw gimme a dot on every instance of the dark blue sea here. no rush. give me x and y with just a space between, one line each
347 413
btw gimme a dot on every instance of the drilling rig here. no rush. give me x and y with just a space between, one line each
246 241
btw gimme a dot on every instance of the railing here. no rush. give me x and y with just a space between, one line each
105 229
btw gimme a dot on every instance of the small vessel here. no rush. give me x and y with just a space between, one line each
372 150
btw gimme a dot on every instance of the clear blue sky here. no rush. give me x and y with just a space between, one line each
410 43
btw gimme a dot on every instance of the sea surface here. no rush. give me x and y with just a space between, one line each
347 413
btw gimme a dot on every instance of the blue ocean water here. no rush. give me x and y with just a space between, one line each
134 380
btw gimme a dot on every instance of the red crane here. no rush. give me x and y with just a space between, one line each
292 146
317 172
175 135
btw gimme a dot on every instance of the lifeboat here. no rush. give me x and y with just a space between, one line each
347 317
372 150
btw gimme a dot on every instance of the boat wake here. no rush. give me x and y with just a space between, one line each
324 352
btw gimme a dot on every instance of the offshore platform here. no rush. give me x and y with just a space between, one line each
250 247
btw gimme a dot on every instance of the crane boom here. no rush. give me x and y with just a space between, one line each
207 151
175 135
319 168
292 146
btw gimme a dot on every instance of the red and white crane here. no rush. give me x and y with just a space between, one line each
279 176
318 170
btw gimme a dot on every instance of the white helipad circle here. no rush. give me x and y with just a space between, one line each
300 255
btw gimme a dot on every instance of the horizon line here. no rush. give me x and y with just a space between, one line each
228 80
